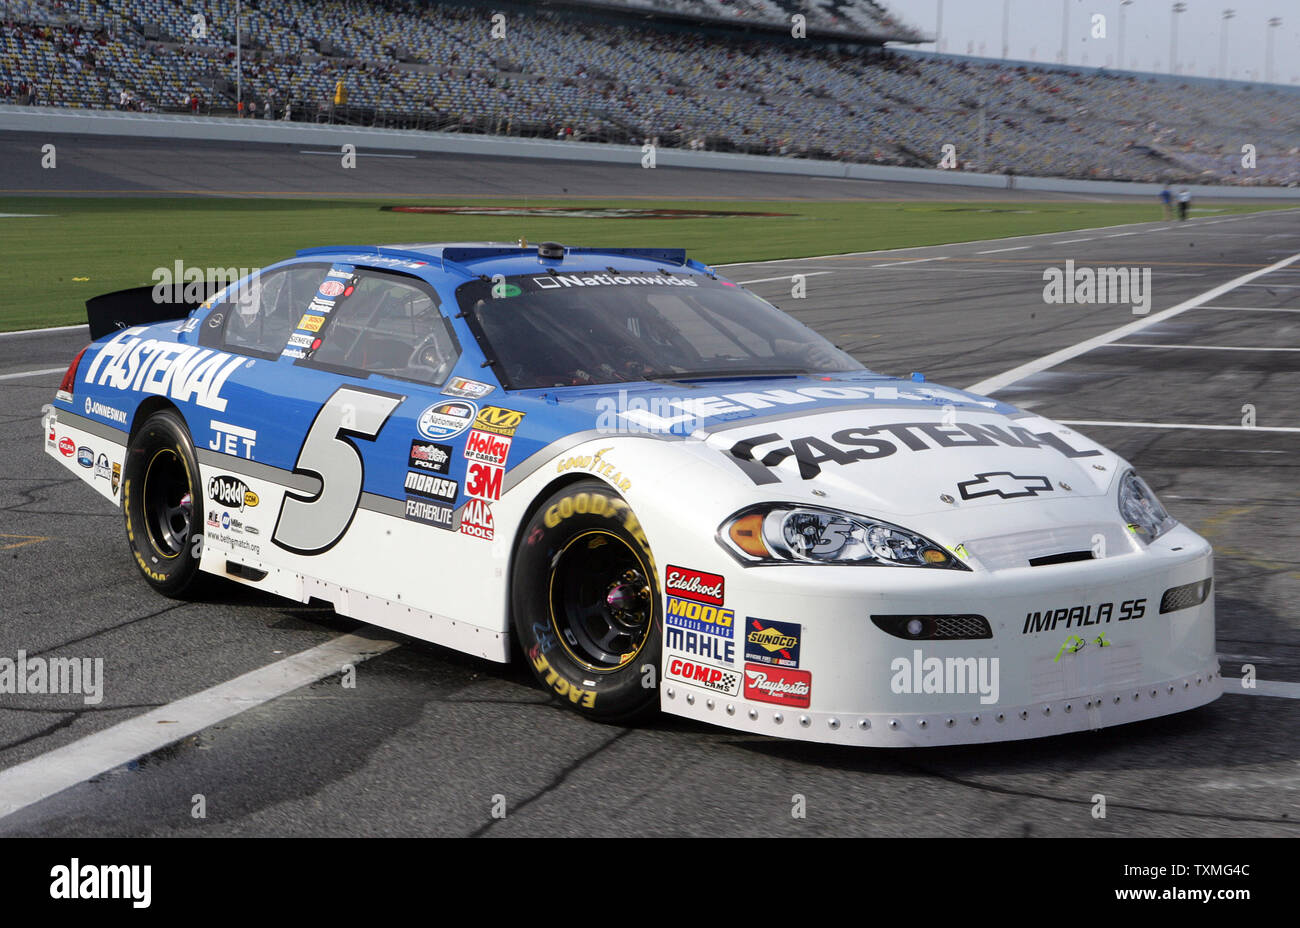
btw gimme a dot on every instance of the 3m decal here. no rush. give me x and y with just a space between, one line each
694 584
868 444
447 419
498 421
183 373
706 676
1003 484
781 685
483 481
775 643
312 524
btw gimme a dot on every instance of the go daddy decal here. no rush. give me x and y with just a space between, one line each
183 372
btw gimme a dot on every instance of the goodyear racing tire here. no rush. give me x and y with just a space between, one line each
162 500
586 603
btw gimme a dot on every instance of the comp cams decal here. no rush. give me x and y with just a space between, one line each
759 455
706 676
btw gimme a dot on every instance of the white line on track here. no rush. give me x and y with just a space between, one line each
994 251
57 770
1195 347
1120 234
1275 286
52 329
1178 425
1071 241
913 261
1253 309
764 280
21 374
1038 365
1281 688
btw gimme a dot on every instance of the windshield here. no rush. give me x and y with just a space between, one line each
582 328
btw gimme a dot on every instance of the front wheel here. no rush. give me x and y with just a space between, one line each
586 603
163 504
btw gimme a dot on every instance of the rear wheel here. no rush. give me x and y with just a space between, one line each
586 603
163 504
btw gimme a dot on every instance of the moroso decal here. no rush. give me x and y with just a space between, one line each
431 487
775 643
498 421
184 373
781 685
706 676
852 445
694 584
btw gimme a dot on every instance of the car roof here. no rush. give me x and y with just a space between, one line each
473 259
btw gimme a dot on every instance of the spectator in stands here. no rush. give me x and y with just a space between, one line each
252 109
1184 201
1167 201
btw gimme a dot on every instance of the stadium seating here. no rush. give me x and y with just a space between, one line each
620 79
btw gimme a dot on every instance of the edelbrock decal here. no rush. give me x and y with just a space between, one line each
183 372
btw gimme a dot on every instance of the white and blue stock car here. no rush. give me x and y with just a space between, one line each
668 492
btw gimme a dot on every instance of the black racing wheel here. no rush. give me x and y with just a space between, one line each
162 500
586 603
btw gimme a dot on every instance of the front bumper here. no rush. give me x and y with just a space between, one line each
1074 647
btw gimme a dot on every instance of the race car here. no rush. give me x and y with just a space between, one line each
653 485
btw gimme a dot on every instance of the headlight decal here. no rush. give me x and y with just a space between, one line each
1141 510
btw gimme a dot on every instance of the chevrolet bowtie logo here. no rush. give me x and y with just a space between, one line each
1004 484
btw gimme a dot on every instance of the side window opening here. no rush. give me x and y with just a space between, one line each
264 312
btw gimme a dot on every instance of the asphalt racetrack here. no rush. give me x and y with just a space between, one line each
429 738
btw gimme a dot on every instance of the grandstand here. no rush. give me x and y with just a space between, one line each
721 75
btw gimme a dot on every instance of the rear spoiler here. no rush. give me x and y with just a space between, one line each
122 309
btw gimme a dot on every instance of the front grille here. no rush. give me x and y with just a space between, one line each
935 627
1185 596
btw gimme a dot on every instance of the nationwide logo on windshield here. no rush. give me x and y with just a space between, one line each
1003 484
557 281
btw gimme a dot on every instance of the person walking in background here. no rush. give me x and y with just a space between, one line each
1167 201
1184 198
